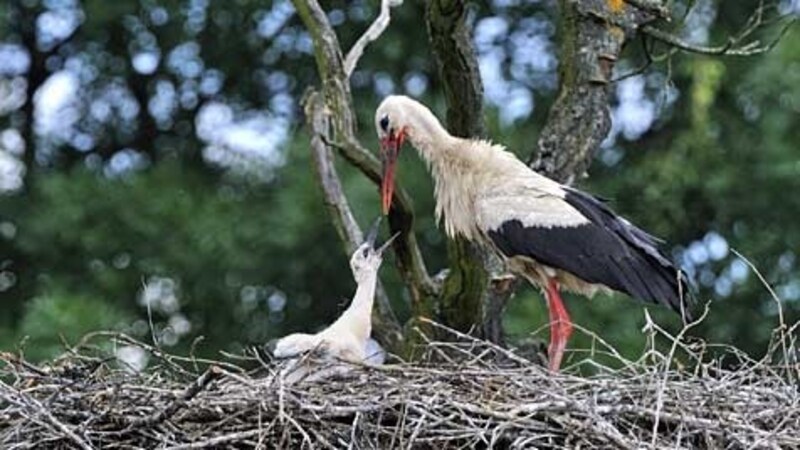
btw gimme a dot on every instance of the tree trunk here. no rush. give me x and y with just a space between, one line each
592 35
467 302
24 19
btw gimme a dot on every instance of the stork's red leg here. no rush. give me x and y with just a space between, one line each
560 325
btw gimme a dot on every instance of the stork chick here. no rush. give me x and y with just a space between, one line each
553 235
347 338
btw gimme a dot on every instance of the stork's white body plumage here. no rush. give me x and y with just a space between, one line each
553 235
348 338
488 187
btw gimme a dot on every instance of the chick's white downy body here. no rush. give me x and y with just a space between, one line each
347 338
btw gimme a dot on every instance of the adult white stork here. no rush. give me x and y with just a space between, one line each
348 338
553 235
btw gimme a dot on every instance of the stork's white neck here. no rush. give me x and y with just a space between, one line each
426 133
454 163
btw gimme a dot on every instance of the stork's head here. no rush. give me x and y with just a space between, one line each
367 258
392 125
399 118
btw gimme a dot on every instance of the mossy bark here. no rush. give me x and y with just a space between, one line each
592 34
467 301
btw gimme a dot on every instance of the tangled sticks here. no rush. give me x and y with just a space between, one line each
464 393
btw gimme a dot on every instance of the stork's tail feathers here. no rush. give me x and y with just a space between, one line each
646 273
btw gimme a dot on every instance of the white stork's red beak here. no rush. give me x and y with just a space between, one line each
390 149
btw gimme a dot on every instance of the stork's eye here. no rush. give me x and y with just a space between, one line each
364 252
384 123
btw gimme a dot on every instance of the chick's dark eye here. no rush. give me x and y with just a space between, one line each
384 123
364 253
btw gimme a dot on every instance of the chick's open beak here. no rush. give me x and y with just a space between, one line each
372 237
372 234
386 244
390 149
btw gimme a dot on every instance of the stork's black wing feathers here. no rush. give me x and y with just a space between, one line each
608 250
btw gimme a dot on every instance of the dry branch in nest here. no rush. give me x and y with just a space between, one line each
464 393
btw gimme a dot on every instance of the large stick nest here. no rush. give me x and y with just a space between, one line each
464 393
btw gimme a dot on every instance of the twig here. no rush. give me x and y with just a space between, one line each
373 32
461 335
168 358
729 48
189 393
213 442
13 359
775 298
667 362
60 426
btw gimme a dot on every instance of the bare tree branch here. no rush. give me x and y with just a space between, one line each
386 326
650 58
742 43
373 32
451 43
730 48
339 100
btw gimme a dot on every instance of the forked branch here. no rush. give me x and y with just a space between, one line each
373 32
593 35
742 43
733 47
385 323
332 120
